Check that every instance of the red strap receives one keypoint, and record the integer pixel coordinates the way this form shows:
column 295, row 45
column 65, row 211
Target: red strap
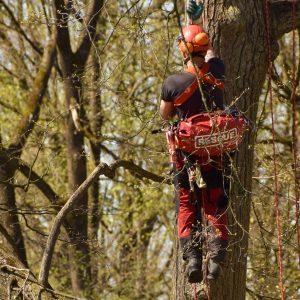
column 202, row 73
column 207, row 77
column 187, row 93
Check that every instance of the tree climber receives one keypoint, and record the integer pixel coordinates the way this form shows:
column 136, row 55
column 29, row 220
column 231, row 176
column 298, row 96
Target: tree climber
column 210, row 190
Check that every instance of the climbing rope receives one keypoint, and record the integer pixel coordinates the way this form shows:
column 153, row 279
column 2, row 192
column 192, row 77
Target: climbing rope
column 205, row 229
column 195, row 291
column 274, row 150
column 295, row 148
column 187, row 21
column 186, row 18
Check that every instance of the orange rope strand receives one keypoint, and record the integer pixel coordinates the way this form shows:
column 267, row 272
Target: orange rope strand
column 295, row 146
column 274, row 152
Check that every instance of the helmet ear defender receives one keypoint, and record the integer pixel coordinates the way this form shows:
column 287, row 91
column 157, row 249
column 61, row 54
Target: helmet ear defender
column 201, row 39
column 184, row 47
column 199, row 43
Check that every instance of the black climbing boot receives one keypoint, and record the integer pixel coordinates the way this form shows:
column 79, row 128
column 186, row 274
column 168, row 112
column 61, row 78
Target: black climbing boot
column 217, row 254
column 194, row 270
column 192, row 254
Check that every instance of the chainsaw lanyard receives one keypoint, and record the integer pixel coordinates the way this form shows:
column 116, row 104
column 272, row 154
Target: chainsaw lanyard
column 204, row 76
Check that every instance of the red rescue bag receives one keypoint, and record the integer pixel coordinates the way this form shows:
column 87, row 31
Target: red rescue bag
column 209, row 134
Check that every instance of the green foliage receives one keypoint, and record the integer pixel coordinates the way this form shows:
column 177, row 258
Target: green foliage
column 131, row 253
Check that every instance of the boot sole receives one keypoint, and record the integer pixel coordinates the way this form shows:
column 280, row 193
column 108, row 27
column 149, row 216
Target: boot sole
column 195, row 276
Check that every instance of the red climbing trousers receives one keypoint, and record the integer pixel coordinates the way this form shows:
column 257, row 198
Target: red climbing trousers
column 204, row 208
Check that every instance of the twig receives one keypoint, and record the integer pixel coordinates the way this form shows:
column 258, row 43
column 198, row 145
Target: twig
column 104, row 169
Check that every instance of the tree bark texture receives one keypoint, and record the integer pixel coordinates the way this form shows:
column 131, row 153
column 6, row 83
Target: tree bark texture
column 16, row 280
column 96, row 120
column 237, row 30
column 96, row 128
column 9, row 210
column 72, row 65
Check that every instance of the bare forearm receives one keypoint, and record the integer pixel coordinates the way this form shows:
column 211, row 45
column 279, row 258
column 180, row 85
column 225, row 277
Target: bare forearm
column 166, row 110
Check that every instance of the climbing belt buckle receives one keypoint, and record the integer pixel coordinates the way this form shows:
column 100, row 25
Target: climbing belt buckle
column 199, row 179
column 192, row 178
column 191, row 174
column 195, row 175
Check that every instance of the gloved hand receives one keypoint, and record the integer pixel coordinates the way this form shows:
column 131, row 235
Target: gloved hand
column 194, row 10
column 231, row 110
column 235, row 112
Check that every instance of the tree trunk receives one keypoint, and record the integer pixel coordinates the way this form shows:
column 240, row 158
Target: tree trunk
column 238, row 33
column 9, row 211
column 94, row 99
column 96, row 127
column 78, row 250
column 73, row 64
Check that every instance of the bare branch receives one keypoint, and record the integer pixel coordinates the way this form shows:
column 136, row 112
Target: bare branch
column 90, row 22
column 63, row 35
column 281, row 14
column 108, row 151
column 39, row 182
column 101, row 169
column 36, row 96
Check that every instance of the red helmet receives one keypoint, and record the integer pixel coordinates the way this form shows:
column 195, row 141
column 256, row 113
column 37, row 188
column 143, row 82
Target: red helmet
column 196, row 40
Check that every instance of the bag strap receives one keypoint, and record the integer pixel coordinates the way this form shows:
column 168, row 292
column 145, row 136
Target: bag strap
column 205, row 76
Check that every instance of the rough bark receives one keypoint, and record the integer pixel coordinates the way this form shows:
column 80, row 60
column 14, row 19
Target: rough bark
column 9, row 211
column 17, row 281
column 96, row 121
column 96, row 127
column 72, row 65
column 238, row 33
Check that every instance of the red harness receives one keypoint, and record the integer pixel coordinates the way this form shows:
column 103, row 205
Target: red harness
column 206, row 134
column 204, row 76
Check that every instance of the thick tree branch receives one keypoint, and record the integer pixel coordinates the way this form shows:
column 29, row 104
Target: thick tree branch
column 90, row 22
column 11, row 242
column 111, row 153
column 36, row 96
column 63, row 35
column 39, row 182
column 281, row 14
column 101, row 169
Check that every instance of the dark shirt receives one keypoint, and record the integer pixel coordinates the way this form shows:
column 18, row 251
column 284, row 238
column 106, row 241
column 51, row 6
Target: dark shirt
column 175, row 84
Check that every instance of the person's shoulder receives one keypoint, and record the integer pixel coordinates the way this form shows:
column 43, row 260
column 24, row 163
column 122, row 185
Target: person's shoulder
column 175, row 84
column 171, row 78
column 177, row 76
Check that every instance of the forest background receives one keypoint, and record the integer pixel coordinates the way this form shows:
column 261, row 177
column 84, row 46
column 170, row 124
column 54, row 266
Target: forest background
column 80, row 86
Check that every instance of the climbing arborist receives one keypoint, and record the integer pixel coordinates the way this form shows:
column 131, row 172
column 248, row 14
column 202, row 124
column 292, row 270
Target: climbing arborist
column 201, row 183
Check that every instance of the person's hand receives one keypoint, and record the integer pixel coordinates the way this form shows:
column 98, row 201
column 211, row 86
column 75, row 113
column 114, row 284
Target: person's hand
column 194, row 10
